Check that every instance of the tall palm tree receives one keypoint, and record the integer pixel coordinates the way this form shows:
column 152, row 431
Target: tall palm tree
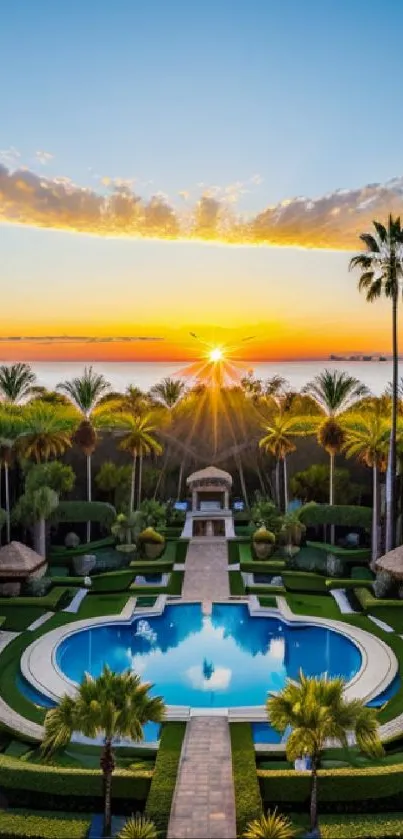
column 335, row 392
column 33, row 509
column 85, row 393
column 10, row 428
column 16, row 381
column 280, row 432
column 168, row 392
column 316, row 711
column 139, row 440
column 381, row 269
column 114, row 705
column 45, row 431
column 367, row 437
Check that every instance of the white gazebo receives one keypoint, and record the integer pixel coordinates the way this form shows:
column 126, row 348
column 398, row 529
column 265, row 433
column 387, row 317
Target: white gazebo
column 211, row 515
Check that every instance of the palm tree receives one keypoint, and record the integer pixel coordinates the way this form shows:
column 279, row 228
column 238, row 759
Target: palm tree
column 45, row 432
column 381, row 269
column 335, row 392
column 85, row 393
column 316, row 711
column 168, row 392
column 33, row 509
column 139, row 441
column 16, row 381
column 138, row 827
column 278, row 440
column 366, row 439
column 115, row 705
column 272, row 826
column 10, row 427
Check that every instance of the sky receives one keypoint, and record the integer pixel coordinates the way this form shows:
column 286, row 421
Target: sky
column 205, row 166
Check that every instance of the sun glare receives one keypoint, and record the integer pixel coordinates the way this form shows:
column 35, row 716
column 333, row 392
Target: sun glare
column 216, row 354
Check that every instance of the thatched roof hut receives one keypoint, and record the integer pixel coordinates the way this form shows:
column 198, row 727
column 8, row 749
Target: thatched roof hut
column 211, row 475
column 392, row 562
column 18, row 561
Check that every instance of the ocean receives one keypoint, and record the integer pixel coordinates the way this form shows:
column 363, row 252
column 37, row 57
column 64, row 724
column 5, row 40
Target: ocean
column 375, row 374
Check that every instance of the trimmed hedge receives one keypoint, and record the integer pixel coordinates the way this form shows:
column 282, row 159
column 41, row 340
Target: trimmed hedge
column 304, row 581
column 268, row 601
column 260, row 588
column 269, row 566
column 346, row 582
column 371, row 603
column 334, row 785
column 236, row 584
column 76, row 512
column 360, row 554
column 49, row 601
column 43, row 825
column 159, row 801
column 181, row 550
column 60, row 552
column 385, row 826
column 248, row 802
column 112, row 581
column 345, row 515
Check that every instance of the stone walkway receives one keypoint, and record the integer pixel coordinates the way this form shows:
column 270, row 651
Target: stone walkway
column 206, row 571
column 204, row 803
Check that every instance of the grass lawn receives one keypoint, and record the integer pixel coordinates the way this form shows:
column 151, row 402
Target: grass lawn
column 393, row 615
column 93, row 606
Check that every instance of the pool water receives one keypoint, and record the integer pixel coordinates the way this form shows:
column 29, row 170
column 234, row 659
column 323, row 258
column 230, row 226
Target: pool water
column 225, row 659
column 386, row 694
column 148, row 580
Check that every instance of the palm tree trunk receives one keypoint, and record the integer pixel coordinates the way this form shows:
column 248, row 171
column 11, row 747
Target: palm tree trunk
column 331, row 494
column 285, row 483
column 89, row 494
column 391, row 473
column 242, row 480
column 7, row 493
column 107, row 766
column 314, row 797
column 0, row 493
column 40, row 537
column 162, row 472
column 261, row 480
column 278, row 484
column 179, row 490
column 139, row 483
column 133, row 481
column 374, row 515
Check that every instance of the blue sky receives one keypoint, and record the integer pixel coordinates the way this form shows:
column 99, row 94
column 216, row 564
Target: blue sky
column 177, row 94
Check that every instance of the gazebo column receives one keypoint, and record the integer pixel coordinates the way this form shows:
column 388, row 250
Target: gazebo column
column 226, row 500
column 209, row 528
column 194, row 500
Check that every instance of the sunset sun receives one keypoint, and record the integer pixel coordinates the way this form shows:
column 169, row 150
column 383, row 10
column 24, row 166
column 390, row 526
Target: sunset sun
column 216, row 354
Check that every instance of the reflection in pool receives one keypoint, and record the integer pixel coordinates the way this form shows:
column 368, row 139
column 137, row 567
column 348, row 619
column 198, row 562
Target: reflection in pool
column 224, row 659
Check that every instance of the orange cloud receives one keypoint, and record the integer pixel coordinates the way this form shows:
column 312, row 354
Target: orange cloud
column 332, row 221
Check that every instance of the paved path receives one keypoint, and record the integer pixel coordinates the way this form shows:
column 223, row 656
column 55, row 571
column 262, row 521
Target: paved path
column 204, row 803
column 206, row 571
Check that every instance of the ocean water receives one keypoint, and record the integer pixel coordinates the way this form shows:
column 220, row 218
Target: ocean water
column 375, row 374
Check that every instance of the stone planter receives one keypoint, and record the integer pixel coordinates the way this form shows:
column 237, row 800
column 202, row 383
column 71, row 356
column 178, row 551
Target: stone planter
column 263, row 549
column 153, row 550
column 83, row 565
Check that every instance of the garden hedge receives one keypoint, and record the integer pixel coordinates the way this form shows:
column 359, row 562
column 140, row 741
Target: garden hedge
column 112, row 581
column 42, row 825
column 372, row 826
column 236, row 584
column 334, row 785
column 159, row 801
column 264, row 566
column 370, row 603
column 248, row 802
column 76, row 512
column 181, row 550
column 174, row 586
column 304, row 581
column 344, row 515
column 347, row 582
column 60, row 552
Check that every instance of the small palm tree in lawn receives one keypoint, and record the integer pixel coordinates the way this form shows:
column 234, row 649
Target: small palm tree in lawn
column 335, row 392
column 139, row 440
column 85, row 393
column 115, row 705
column 33, row 509
column 16, row 382
column 381, row 270
column 138, row 827
column 272, row 826
column 45, row 431
column 366, row 438
column 280, row 432
column 316, row 711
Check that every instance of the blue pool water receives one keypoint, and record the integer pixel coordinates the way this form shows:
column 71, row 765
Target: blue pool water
column 32, row 694
column 148, row 580
column 225, row 659
column 386, row 694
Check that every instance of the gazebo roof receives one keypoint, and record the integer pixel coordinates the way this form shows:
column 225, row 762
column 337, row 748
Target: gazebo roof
column 211, row 473
column 392, row 562
column 18, row 560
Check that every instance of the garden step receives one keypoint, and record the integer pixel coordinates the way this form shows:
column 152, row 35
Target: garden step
column 39, row 621
column 381, row 624
column 76, row 601
column 340, row 596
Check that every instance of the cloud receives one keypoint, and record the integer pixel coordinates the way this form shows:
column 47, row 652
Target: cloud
column 44, row 157
column 86, row 339
column 9, row 156
column 331, row 221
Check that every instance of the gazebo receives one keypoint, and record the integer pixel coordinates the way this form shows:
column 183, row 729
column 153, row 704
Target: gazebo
column 392, row 562
column 210, row 515
column 17, row 563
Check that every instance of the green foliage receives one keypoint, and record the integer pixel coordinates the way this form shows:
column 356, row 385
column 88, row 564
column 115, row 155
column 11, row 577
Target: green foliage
column 115, row 480
column 126, row 529
column 347, row 554
column 84, row 511
column 112, row 581
column 382, row 826
column 264, row 535
column 154, row 514
column 236, row 585
column 266, row 513
column 369, row 603
column 62, row 554
column 159, row 801
column 3, row 518
column 334, row 785
column 338, row 514
column 181, row 551
column 58, row 476
column 150, row 536
column 35, row 505
column 248, row 803
column 138, row 827
column 20, row 824
column 304, row 581
column 272, row 826
column 312, row 484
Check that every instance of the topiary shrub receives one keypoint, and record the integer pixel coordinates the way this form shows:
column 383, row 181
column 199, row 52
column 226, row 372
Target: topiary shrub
column 152, row 542
column 84, row 511
column 334, row 566
column 263, row 542
column 382, row 584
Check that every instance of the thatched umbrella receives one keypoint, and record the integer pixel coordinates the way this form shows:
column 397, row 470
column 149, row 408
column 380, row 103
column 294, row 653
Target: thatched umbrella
column 17, row 563
column 392, row 562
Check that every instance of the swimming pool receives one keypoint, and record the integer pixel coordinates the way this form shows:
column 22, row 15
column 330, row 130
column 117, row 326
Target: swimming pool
column 226, row 659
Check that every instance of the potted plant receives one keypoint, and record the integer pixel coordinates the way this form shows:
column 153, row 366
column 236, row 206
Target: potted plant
column 263, row 542
column 291, row 533
column 153, row 543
